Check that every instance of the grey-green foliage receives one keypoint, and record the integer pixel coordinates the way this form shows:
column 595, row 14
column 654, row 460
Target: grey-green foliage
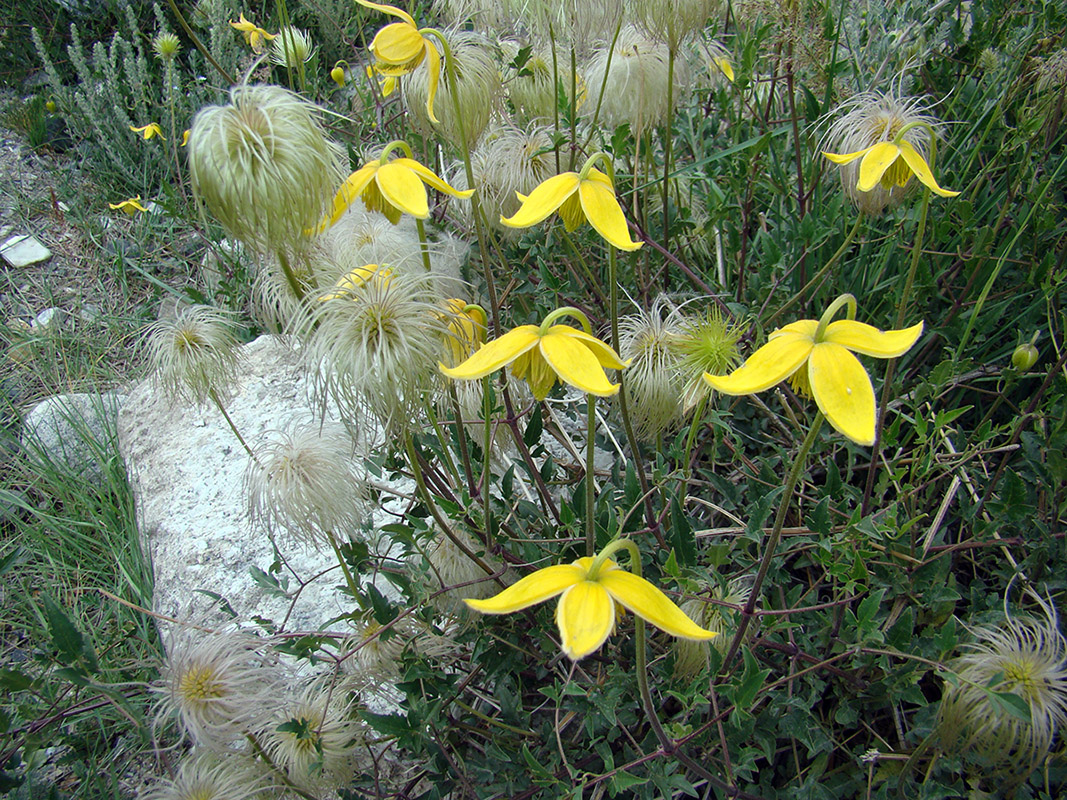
column 119, row 84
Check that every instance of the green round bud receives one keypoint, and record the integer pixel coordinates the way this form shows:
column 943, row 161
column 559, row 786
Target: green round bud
column 1024, row 357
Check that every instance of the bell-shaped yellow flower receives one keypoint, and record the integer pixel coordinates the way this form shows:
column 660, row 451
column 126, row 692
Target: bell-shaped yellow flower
column 891, row 164
column 579, row 197
column 400, row 47
column 149, row 130
column 131, row 206
column 392, row 187
column 540, row 355
column 255, row 36
column 818, row 356
column 353, row 280
column 466, row 324
column 590, row 589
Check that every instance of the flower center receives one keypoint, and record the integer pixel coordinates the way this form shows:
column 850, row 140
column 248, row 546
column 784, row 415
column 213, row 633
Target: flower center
column 200, row 684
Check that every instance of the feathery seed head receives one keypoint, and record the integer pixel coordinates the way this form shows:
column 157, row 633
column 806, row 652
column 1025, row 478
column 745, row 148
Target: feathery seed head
column 867, row 119
column 194, row 354
column 166, row 46
column 1025, row 656
column 654, row 381
column 1052, row 72
column 217, row 683
column 689, row 656
column 368, row 237
column 290, row 47
column 314, row 738
column 307, row 482
column 636, row 87
column 532, row 89
column 263, row 166
column 205, row 776
column 450, row 566
column 275, row 305
column 377, row 347
column 708, row 344
column 674, row 21
column 477, row 89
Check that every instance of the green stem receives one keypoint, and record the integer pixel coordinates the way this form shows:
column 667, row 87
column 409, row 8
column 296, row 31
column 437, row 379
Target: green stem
column 487, row 446
column 257, row 748
column 353, row 587
column 667, row 140
column 771, row 544
column 290, row 276
column 424, row 246
column 218, row 404
column 590, row 451
column 198, row 44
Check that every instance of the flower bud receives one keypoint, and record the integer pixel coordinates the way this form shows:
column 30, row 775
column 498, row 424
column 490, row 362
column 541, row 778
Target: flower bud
column 50, row 106
column 1024, row 357
column 337, row 75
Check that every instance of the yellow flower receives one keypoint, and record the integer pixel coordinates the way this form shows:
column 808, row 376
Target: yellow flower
column 818, row 356
column 337, row 74
column 352, row 280
column 185, row 137
column 253, row 35
column 540, row 355
column 401, row 46
column 588, row 195
column 891, row 164
column 467, row 324
column 149, row 130
column 386, row 83
column 131, row 206
column 591, row 588
column 391, row 187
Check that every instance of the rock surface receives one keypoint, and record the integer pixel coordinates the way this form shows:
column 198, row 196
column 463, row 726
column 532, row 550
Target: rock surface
column 62, row 428
column 21, row 251
column 188, row 468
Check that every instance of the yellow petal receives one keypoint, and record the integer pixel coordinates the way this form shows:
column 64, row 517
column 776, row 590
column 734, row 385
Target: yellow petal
column 351, row 189
column 862, row 338
column 398, row 43
column 431, row 178
column 848, row 158
column 877, row 160
column 403, row 189
column 575, row 363
column 493, row 355
column 771, row 364
column 604, row 213
column 585, row 616
column 604, row 354
column 532, row 368
column 646, row 601
column 922, row 171
column 396, row 12
column 726, row 67
column 543, row 200
column 804, row 327
column 534, row 588
column 433, row 67
column 842, row 391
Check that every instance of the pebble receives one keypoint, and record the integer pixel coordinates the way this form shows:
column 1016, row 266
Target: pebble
column 21, row 251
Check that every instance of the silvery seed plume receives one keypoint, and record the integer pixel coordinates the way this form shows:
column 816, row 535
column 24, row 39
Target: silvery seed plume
column 208, row 776
column 654, row 380
column 194, row 354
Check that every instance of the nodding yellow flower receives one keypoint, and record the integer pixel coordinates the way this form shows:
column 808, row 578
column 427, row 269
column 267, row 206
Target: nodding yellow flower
column 149, row 130
column 131, row 206
column 818, row 356
column 386, row 83
column 541, row 354
column 401, row 46
column 467, row 324
column 391, row 187
column 352, row 280
column 337, row 74
column 185, row 137
column 891, row 164
column 590, row 589
column 583, row 196
column 253, row 35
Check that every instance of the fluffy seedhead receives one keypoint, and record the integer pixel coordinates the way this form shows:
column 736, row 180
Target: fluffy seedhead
column 532, row 89
column 314, row 738
column 307, row 483
column 477, row 89
column 263, row 167
column 508, row 161
column 376, row 347
column 166, row 46
column 206, row 776
column 674, row 21
column 217, row 684
column 1052, row 72
column 690, row 657
column 865, row 120
column 367, row 237
column 1024, row 656
column 654, row 381
column 291, row 47
column 194, row 354
column 708, row 344
column 450, row 566
column 275, row 305
column 636, row 83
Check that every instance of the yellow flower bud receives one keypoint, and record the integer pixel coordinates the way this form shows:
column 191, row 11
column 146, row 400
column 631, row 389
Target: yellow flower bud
column 337, row 75
column 1024, row 357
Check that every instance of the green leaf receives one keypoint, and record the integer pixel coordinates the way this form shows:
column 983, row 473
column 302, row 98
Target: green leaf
column 752, row 680
column 1010, row 703
column 387, row 724
column 532, row 434
column 621, row 781
column 66, row 638
column 682, row 535
column 267, row 582
column 13, row 680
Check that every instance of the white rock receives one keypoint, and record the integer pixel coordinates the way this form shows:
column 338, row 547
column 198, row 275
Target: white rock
column 73, row 428
column 50, row 319
column 21, row 251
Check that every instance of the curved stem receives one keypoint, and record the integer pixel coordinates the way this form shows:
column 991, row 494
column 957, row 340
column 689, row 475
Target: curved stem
column 424, row 246
column 290, row 276
column 353, row 587
column 198, row 44
column 590, row 452
column 799, row 462
column 218, row 404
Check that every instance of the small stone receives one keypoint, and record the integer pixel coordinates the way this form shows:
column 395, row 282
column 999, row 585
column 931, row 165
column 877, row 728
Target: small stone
column 50, row 319
column 21, row 251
